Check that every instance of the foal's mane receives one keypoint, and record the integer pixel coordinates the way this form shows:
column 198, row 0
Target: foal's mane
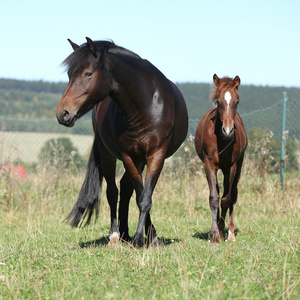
column 226, row 83
column 83, row 54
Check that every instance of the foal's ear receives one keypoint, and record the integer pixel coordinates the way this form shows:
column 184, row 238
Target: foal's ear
column 92, row 47
column 237, row 81
column 74, row 46
column 216, row 80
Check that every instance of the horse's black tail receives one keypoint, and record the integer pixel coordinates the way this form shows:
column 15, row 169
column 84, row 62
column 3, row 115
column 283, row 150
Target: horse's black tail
column 88, row 200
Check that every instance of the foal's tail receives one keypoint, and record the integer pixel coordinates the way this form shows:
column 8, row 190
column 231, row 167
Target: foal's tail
column 88, row 200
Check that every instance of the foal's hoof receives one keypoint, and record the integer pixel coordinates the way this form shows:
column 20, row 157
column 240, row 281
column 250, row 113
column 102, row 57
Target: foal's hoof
column 114, row 239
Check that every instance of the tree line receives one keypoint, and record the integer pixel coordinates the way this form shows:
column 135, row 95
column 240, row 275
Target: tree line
column 38, row 99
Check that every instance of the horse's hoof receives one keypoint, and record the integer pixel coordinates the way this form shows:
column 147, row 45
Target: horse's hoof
column 138, row 242
column 215, row 243
column 215, row 237
column 231, row 237
column 221, row 236
column 156, row 242
column 125, row 238
column 114, row 239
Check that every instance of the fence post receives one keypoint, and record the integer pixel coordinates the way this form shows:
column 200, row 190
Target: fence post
column 284, row 99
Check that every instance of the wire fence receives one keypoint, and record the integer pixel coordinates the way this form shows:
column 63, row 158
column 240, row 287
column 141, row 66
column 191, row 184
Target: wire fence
column 25, row 147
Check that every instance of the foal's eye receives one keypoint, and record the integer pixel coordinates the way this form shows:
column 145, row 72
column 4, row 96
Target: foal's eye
column 88, row 74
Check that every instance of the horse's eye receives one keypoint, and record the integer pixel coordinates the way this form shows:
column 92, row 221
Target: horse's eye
column 88, row 74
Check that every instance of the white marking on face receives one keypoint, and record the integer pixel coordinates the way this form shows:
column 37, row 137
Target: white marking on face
column 227, row 98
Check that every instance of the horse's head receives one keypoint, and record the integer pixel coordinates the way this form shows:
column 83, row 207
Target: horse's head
column 88, row 82
column 226, row 98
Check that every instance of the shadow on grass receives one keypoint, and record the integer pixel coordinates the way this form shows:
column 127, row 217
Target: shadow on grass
column 206, row 235
column 104, row 241
column 96, row 243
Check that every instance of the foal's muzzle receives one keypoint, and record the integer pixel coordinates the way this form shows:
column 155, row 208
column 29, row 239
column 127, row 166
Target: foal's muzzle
column 227, row 130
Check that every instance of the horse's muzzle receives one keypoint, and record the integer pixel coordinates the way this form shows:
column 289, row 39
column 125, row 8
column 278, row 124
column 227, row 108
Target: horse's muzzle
column 65, row 118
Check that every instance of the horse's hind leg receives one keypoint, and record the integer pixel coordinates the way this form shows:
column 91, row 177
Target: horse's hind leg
column 126, row 191
column 108, row 166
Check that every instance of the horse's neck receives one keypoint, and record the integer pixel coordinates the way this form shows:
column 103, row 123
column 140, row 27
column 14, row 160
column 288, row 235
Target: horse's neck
column 128, row 88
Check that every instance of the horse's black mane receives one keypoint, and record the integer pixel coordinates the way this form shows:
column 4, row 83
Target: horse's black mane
column 83, row 54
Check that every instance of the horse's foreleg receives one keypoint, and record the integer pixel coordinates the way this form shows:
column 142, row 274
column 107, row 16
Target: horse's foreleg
column 144, row 201
column 151, row 232
column 234, row 195
column 225, row 201
column 135, row 172
column 126, row 191
column 228, row 200
column 214, row 198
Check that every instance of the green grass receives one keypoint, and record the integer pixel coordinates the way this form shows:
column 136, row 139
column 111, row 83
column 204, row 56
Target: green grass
column 44, row 258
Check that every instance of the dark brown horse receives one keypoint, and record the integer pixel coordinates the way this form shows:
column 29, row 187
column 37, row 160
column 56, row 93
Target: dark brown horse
column 139, row 117
column 220, row 142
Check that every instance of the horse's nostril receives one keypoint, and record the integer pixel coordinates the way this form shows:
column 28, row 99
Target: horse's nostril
column 66, row 115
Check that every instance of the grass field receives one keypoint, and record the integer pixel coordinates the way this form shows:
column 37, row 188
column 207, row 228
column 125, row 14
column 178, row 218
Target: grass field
column 26, row 146
column 43, row 258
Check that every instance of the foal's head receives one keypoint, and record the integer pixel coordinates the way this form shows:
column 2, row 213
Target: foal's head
column 226, row 98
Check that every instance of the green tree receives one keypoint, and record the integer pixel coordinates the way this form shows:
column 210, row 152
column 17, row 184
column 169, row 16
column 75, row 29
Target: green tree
column 60, row 150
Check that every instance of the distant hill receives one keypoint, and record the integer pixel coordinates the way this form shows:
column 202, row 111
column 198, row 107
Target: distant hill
column 38, row 99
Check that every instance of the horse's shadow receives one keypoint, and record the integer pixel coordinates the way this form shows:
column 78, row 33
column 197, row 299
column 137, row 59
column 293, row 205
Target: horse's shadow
column 104, row 241
column 206, row 235
column 96, row 243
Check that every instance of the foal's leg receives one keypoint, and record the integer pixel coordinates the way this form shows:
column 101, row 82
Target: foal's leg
column 234, row 195
column 214, row 198
column 126, row 191
column 226, row 200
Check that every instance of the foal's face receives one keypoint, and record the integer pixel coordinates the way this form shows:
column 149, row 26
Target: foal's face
column 227, row 100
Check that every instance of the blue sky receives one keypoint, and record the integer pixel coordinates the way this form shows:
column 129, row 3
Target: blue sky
column 188, row 40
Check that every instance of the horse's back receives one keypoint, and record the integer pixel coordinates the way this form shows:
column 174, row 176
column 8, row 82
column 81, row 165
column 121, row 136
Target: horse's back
column 180, row 120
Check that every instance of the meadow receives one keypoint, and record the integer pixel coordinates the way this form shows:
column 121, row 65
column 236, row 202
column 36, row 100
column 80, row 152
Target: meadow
column 41, row 257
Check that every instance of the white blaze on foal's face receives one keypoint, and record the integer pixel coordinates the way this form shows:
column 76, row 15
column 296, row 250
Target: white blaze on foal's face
column 227, row 98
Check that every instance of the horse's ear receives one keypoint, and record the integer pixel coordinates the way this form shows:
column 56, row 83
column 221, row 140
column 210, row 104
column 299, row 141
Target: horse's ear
column 74, row 46
column 216, row 80
column 92, row 47
column 237, row 81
